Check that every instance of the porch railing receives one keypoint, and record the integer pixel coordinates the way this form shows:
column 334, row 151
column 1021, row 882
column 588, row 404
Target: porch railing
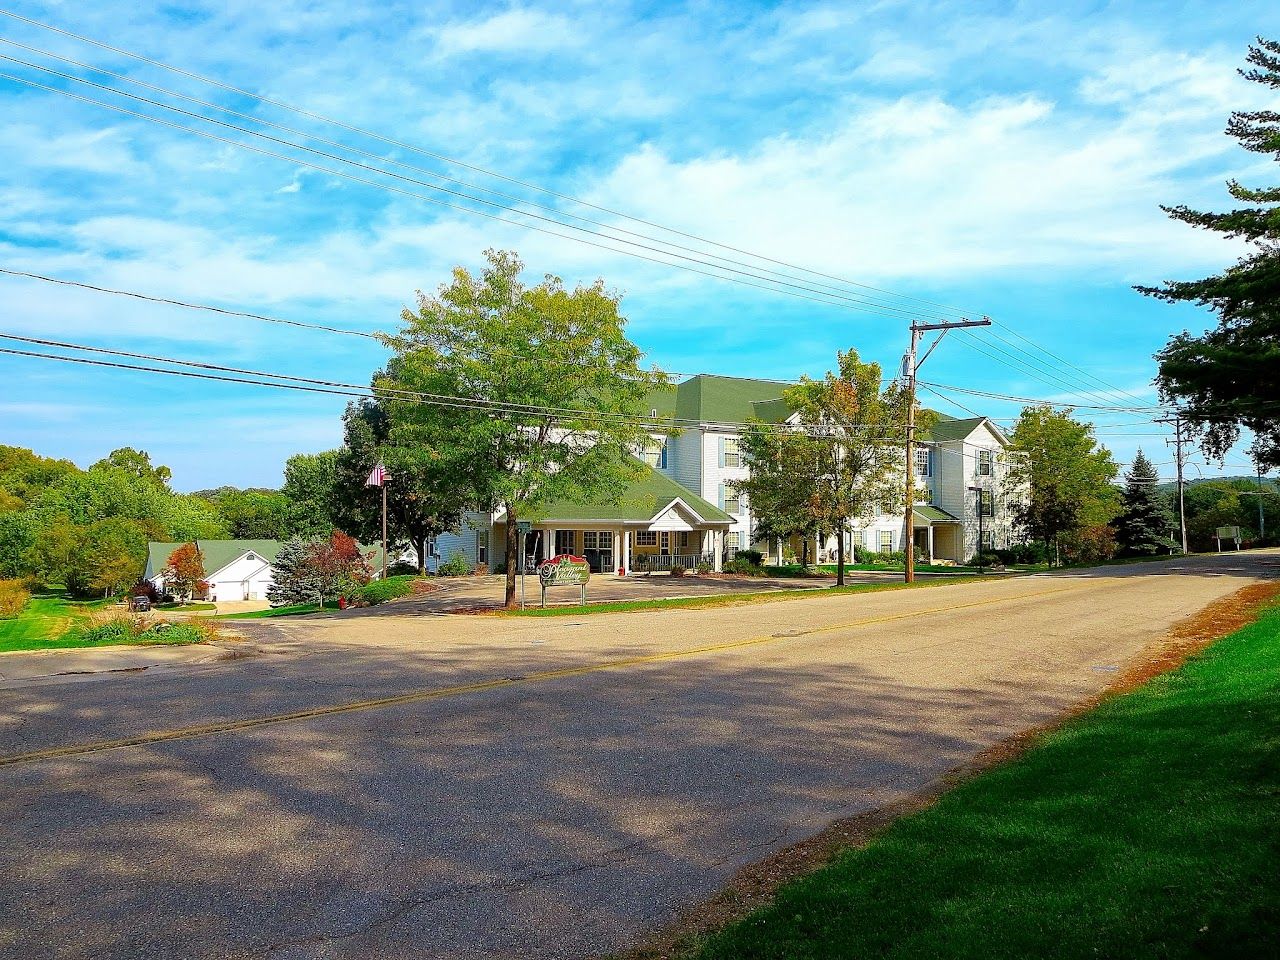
column 663, row 563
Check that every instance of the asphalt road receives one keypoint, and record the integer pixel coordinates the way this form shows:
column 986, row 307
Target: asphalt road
column 533, row 788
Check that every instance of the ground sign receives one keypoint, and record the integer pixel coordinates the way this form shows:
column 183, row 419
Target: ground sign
column 564, row 570
column 1227, row 533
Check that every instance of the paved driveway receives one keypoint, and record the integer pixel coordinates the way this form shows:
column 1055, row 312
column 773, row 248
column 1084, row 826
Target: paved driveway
column 482, row 787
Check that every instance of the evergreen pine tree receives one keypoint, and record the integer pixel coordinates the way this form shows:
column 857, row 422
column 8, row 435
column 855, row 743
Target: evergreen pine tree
column 1145, row 520
column 292, row 580
column 1229, row 377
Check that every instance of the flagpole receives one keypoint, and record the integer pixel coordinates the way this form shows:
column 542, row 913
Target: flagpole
column 384, row 528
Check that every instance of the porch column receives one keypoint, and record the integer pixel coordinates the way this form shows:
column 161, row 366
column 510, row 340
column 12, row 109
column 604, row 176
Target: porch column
column 930, row 529
column 626, row 552
column 718, row 539
column 549, row 544
column 618, row 537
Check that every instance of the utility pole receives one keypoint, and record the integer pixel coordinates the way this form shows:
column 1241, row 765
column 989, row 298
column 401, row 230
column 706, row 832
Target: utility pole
column 1178, row 459
column 910, row 367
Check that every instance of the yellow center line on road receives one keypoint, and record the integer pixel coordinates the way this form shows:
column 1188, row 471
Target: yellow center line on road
column 439, row 693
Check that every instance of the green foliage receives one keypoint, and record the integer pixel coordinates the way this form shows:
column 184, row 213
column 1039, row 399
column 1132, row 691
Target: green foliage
column 134, row 629
column 1229, row 377
column 704, row 568
column 136, row 463
column 801, row 484
column 252, row 514
column 490, row 336
column 1224, row 503
column 14, row 595
column 753, row 557
column 106, row 557
column 678, row 570
column 1059, row 480
column 1145, row 522
column 456, row 566
column 310, row 487
column 424, row 497
column 380, row 591
column 743, row 566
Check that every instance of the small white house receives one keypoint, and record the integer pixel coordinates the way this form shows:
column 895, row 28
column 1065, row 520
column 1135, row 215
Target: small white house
column 234, row 569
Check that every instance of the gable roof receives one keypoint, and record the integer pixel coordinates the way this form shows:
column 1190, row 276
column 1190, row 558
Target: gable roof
column 217, row 553
column 640, row 500
column 713, row 399
column 221, row 553
column 952, row 429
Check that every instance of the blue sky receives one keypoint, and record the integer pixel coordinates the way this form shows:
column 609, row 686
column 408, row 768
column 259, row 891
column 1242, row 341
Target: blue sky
column 1005, row 157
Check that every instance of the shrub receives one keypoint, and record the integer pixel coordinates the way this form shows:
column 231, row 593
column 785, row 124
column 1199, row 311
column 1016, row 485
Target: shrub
column 119, row 628
column 753, row 557
column 677, row 570
column 704, row 568
column 145, row 588
column 13, row 598
column 380, row 591
column 402, row 568
column 987, row 558
column 456, row 566
column 738, row 565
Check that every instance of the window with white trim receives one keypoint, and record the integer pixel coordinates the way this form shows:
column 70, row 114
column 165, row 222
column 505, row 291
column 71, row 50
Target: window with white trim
column 886, row 541
column 732, row 540
column 684, row 539
column 482, row 546
column 646, row 538
column 922, row 461
column 732, row 500
column 987, row 503
column 986, row 462
column 732, row 453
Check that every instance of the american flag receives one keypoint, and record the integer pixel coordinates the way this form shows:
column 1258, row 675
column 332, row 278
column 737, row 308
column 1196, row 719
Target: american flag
column 377, row 476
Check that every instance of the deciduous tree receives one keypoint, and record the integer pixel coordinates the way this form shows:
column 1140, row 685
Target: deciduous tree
column 554, row 392
column 1059, row 481
column 184, row 571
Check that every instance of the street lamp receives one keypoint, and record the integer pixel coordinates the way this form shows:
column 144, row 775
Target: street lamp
column 979, row 491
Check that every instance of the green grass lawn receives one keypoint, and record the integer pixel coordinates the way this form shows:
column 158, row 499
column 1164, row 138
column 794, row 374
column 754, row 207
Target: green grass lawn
column 920, row 568
column 721, row 599
column 290, row 611
column 1147, row 828
column 49, row 622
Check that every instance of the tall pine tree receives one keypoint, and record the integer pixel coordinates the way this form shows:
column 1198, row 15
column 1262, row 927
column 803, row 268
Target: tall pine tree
column 1229, row 377
column 1142, row 529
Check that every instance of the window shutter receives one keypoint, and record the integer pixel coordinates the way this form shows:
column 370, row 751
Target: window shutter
column 722, row 485
column 720, row 442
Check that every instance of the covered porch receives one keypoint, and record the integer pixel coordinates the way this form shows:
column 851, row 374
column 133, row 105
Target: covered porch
column 937, row 534
column 653, row 526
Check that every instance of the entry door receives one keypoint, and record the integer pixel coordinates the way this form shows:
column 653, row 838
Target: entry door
column 666, row 544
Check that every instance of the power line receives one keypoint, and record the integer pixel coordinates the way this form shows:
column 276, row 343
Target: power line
column 451, row 160
column 822, row 298
column 187, row 305
column 382, row 159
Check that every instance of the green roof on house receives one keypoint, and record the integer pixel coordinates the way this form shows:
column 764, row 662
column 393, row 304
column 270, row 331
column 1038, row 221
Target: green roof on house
column 217, row 553
column 640, row 500
column 933, row 515
column 708, row 398
column 952, row 429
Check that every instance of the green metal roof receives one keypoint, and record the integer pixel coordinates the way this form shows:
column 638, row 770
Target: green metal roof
column 708, row 398
column 932, row 515
column 640, row 500
column 218, row 553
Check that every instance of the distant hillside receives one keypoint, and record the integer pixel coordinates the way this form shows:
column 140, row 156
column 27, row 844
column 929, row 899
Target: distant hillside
column 1238, row 483
column 209, row 494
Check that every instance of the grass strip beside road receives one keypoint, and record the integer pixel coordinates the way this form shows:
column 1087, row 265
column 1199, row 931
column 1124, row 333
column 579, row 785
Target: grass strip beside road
column 291, row 611
column 1143, row 829
column 724, row 599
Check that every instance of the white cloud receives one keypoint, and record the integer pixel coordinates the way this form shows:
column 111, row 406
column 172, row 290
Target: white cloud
column 517, row 30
